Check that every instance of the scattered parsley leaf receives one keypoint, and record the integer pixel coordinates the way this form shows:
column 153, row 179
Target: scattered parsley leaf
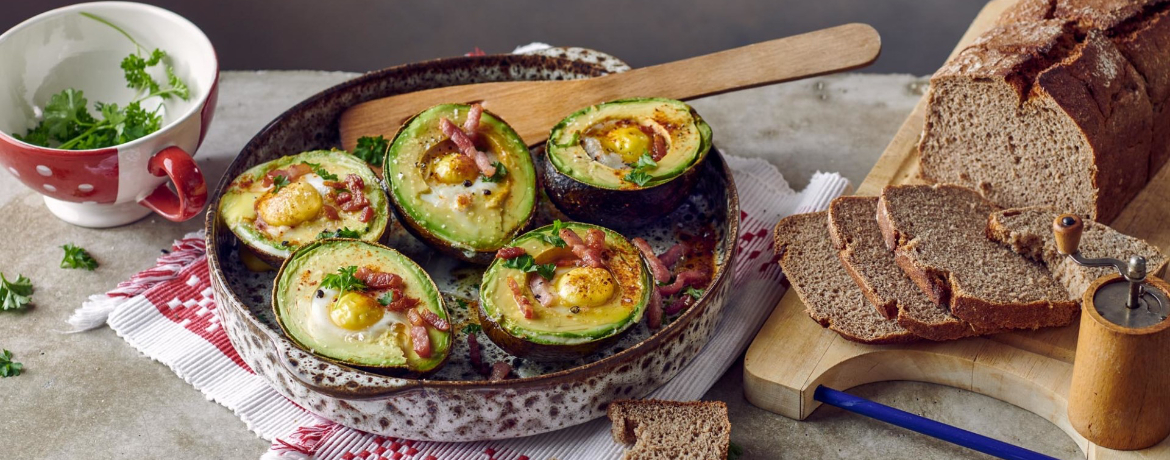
column 372, row 150
column 278, row 183
column 8, row 367
column 694, row 293
column 501, row 172
column 645, row 162
column 387, row 298
column 638, row 174
column 553, row 236
column 77, row 257
column 638, row 177
column 546, row 271
column 344, row 280
column 321, row 171
column 15, row 295
column 734, row 451
column 339, row 233
column 462, row 303
column 471, row 329
column 527, row 264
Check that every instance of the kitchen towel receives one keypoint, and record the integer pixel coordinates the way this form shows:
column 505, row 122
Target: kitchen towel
column 167, row 313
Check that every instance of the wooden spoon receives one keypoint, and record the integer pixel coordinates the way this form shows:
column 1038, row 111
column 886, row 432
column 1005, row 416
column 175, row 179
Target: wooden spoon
column 533, row 107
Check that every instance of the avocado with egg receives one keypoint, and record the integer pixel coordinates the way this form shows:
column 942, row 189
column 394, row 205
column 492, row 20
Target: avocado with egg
column 588, row 307
column 444, row 196
column 278, row 206
column 363, row 305
column 625, row 163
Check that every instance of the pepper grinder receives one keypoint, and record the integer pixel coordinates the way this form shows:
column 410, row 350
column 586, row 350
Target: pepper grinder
column 1120, row 392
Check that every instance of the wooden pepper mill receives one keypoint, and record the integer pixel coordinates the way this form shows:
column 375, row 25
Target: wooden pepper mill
column 1120, row 393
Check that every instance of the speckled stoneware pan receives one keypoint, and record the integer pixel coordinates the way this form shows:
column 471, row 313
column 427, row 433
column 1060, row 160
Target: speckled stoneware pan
column 456, row 403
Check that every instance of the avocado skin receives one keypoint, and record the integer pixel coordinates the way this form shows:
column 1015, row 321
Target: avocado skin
column 539, row 352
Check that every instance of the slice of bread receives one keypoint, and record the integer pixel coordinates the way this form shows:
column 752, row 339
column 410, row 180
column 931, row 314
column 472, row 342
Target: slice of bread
column 669, row 430
column 1028, row 231
column 938, row 234
column 854, row 228
column 831, row 297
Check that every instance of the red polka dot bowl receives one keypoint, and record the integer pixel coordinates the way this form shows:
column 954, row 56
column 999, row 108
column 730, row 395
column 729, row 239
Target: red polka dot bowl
column 68, row 48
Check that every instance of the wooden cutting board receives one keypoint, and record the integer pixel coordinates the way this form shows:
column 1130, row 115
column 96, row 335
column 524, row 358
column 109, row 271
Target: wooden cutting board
column 792, row 354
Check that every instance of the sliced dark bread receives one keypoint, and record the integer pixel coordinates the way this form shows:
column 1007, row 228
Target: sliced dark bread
column 830, row 296
column 938, row 234
column 1028, row 231
column 858, row 239
column 668, row 430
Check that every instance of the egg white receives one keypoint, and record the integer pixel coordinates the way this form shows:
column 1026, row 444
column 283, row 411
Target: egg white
column 444, row 195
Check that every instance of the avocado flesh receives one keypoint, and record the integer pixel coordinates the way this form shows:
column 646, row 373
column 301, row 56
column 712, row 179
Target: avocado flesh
column 558, row 325
column 305, row 319
column 428, row 205
column 688, row 139
column 237, row 207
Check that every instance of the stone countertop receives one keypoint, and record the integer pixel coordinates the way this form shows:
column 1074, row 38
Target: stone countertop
column 91, row 395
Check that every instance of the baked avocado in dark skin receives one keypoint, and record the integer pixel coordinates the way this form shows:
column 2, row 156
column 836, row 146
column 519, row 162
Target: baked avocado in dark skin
column 563, row 291
column 276, row 207
column 363, row 305
column 625, row 163
column 465, row 188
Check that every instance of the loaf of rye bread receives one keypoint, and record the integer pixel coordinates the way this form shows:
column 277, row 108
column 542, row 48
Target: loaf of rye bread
column 1064, row 103
column 831, row 297
column 1028, row 231
column 671, row 430
column 938, row 235
column 858, row 239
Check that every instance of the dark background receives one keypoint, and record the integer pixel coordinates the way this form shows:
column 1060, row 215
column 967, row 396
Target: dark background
column 362, row 35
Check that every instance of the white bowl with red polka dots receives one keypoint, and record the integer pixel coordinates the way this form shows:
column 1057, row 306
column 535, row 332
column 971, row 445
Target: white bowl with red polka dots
column 112, row 186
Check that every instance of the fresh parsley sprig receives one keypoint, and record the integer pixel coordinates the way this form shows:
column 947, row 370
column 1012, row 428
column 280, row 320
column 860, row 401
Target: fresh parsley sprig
column 279, row 182
column 638, row 175
column 471, row 328
column 527, row 264
column 344, row 280
column 694, row 293
column 501, row 173
column 8, row 367
column 553, row 236
column 77, row 257
column 386, row 299
column 372, row 150
column 339, row 233
column 325, row 174
column 15, row 295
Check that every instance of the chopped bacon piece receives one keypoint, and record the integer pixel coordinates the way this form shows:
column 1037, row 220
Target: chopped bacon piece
column 420, row 341
column 292, row 172
column 401, row 302
column 679, row 305
column 355, row 199
column 595, row 240
column 521, row 299
column 657, row 145
column 261, row 224
column 657, row 268
column 682, row 280
column 541, row 291
column 415, row 318
column 568, row 262
column 654, row 310
column 378, row 280
column 471, row 125
column 510, row 252
column 467, row 147
column 590, row 256
column 366, row 215
column 672, row 255
column 331, row 213
column 434, row 320
column 476, row 357
column 500, row 371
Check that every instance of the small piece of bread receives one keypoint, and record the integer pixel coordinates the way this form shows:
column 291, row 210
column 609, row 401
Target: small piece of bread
column 938, row 234
column 856, row 235
column 831, row 297
column 669, row 430
column 1028, row 231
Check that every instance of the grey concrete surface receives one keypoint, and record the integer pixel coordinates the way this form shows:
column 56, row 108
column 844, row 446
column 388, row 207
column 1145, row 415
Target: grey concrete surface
column 92, row 396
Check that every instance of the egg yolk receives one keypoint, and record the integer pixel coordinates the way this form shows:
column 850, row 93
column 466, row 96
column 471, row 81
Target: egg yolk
column 585, row 287
column 455, row 168
column 629, row 142
column 294, row 203
column 355, row 311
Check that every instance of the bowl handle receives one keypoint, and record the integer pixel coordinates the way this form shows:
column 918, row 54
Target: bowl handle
column 190, row 189
column 339, row 393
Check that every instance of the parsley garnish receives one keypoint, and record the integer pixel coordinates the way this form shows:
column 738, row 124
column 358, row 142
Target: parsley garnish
column 527, row 264
column 344, row 280
column 76, row 257
column 339, row 233
column 638, row 174
column 278, row 183
column 372, row 150
column 694, row 293
column 321, row 171
column 8, row 367
column 553, row 236
column 387, row 298
column 471, row 329
column 15, row 295
column 461, row 303
column 501, row 172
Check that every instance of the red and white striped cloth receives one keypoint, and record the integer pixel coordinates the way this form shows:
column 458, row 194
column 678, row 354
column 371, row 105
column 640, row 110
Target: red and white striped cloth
column 166, row 312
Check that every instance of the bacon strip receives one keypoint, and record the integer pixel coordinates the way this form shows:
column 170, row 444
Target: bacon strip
column 415, row 318
column 521, row 299
column 354, row 198
column 541, row 291
column 366, row 215
column 591, row 257
column 654, row 310
column 291, row 172
column 679, row 305
column 568, row 262
column 595, row 240
column 657, row 268
column 420, row 341
column 378, row 280
column 476, row 357
column 500, row 371
column 401, row 302
column 672, row 255
column 331, row 213
column 471, row 125
column 467, row 147
column 510, row 252
column 434, row 320
column 658, row 146
column 682, row 280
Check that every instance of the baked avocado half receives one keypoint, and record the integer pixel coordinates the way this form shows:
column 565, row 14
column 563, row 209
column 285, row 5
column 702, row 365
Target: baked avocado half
column 627, row 162
column 276, row 207
column 364, row 305
column 540, row 300
column 465, row 206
